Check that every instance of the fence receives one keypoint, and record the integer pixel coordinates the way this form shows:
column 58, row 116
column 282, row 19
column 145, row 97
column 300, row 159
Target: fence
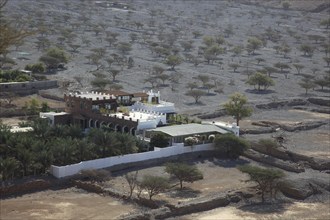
column 177, row 149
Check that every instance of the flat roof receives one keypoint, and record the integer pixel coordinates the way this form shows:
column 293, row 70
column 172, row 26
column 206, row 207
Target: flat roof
column 140, row 94
column 95, row 96
column 117, row 93
column 141, row 116
column 55, row 113
column 189, row 129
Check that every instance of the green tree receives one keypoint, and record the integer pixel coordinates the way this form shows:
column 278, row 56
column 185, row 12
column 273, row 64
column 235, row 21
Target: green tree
column 212, row 52
column 114, row 73
column 106, row 141
column 307, row 84
column 192, row 85
column 234, row 66
column 196, row 94
column 265, row 178
column 323, row 82
column 126, row 143
column 253, row 45
column 187, row 45
column 157, row 70
column 208, row 41
column 159, row 140
column 173, row 61
column 269, row 70
column 32, row 106
column 44, row 107
column 36, row 68
column 203, row 78
column 237, row 50
column 325, row 22
column 307, row 50
column 163, row 77
column 58, row 54
column 231, row 145
column 154, row 185
column 260, row 80
column 12, row 32
column 8, row 167
column 298, row 67
column 282, row 66
column 53, row 57
column 184, row 172
column 100, row 83
column 124, row 47
column 236, row 106
column 286, row 5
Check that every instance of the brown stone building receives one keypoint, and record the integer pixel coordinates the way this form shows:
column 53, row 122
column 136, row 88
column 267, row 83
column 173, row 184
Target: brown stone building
column 93, row 110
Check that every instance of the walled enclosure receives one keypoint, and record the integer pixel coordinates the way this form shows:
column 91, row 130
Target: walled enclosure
column 128, row 159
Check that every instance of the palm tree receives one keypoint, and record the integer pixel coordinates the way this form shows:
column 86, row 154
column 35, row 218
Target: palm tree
column 127, row 143
column 8, row 166
column 106, row 142
column 43, row 156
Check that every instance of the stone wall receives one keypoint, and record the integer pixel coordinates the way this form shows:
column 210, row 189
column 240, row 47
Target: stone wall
column 24, row 88
column 34, row 185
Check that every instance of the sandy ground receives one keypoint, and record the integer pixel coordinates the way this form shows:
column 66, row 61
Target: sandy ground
column 219, row 176
column 65, row 204
column 296, row 210
column 20, row 101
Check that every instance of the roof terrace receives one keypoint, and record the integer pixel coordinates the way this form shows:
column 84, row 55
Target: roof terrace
column 94, row 95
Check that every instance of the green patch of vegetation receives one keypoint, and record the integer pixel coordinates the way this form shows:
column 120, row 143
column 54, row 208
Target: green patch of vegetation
column 32, row 153
column 13, row 76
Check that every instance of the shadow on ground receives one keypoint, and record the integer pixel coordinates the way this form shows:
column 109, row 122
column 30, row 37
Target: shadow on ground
column 186, row 192
column 265, row 208
column 226, row 163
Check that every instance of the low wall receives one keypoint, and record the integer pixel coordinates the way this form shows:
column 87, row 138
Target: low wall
column 33, row 185
column 27, row 87
column 69, row 170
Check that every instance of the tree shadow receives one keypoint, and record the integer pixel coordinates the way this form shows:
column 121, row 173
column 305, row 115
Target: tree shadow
column 211, row 94
column 260, row 92
column 227, row 163
column 306, row 95
column 197, row 104
column 265, row 208
column 323, row 90
column 186, row 192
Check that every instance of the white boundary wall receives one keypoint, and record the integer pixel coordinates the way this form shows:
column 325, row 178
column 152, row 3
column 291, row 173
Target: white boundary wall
column 178, row 148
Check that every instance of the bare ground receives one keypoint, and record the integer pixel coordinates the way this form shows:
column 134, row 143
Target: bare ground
column 247, row 21
column 68, row 203
column 296, row 210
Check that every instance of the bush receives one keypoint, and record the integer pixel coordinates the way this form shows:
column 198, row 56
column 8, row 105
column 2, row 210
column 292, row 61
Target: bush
column 13, row 76
column 95, row 175
column 159, row 140
column 190, row 141
column 36, row 68
column 231, row 145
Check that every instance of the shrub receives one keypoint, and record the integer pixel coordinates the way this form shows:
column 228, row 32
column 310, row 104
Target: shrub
column 36, row 68
column 231, row 145
column 159, row 140
column 190, row 141
column 95, row 175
